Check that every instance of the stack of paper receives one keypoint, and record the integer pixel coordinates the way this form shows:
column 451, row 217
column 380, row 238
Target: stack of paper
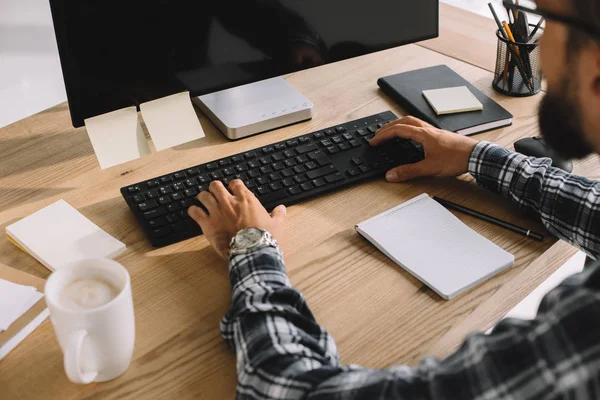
column 22, row 308
column 59, row 234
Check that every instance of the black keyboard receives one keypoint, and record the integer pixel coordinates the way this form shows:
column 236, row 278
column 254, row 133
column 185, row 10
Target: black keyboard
column 281, row 173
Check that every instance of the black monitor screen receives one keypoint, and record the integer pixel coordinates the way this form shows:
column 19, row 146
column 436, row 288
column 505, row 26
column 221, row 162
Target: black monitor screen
column 119, row 53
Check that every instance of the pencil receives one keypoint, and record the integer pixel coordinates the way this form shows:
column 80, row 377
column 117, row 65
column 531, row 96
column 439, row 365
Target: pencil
column 518, row 60
column 507, row 225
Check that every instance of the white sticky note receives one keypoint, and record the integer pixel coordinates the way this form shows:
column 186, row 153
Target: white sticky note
column 117, row 137
column 452, row 100
column 59, row 234
column 171, row 120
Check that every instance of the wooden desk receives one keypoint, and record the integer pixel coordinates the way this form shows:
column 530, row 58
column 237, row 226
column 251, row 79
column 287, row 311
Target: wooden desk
column 378, row 314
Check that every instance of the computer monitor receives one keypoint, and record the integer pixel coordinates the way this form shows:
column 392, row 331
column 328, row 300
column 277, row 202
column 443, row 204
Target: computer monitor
column 120, row 53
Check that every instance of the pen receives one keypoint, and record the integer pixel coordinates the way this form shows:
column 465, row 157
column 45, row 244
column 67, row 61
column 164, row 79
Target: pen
column 519, row 60
column 485, row 217
column 537, row 27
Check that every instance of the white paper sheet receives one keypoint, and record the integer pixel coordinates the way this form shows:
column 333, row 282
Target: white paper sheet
column 117, row 137
column 15, row 300
column 171, row 120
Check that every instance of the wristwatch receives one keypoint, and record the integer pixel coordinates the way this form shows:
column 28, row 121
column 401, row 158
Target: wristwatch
column 249, row 239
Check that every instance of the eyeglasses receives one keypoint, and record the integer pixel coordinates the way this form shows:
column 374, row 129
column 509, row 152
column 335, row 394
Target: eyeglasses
column 576, row 23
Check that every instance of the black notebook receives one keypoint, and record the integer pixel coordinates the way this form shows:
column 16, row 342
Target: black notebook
column 407, row 90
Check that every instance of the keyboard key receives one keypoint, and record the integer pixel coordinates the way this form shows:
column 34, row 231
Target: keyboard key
column 277, row 157
column 278, row 166
column 318, row 135
column 268, row 149
column 304, row 140
column 280, row 146
column 300, row 178
column 329, row 132
column 249, row 155
column 340, row 129
column 147, row 205
column 186, row 203
column 203, row 179
column 241, row 176
column 302, row 159
column 241, row 168
column 275, row 176
column 365, row 168
column 334, row 177
column 357, row 161
column 158, row 222
column 362, row 132
column 263, row 180
column 178, row 186
column 173, row 207
column 372, row 129
column 166, row 179
column 336, row 139
column 292, row 143
column 162, row 232
column 354, row 143
column 193, row 171
column 332, row 150
column 177, row 196
column 250, row 183
column 287, row 173
column 152, row 194
column 139, row 198
column 164, row 200
column 348, row 136
column 321, row 172
column 352, row 172
column 191, row 182
column 165, row 190
column 299, row 169
column 237, row 159
column 225, row 162
column 211, row 166
column 326, row 143
column 266, row 160
column 274, row 198
column 266, row 169
column 294, row 190
column 254, row 173
column 191, row 192
column 306, row 148
column 344, row 146
column 319, row 157
column 287, row 182
column 253, row 164
column 228, row 171
column 306, row 186
column 180, row 175
column 311, row 165
column 289, row 153
column 275, row 186
column 262, row 190
column 157, row 212
column 133, row 189
column 290, row 162
column 152, row 183
column 202, row 188
column 319, row 182
column 215, row 176
column 172, row 218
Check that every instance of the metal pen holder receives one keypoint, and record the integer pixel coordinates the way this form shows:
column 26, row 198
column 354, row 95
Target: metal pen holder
column 518, row 71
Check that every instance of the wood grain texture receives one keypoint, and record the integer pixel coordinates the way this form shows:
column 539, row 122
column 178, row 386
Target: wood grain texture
column 378, row 314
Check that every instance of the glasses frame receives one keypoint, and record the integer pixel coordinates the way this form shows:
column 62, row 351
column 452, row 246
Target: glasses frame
column 574, row 22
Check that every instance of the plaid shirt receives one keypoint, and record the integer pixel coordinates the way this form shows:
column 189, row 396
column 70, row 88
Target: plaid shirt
column 283, row 353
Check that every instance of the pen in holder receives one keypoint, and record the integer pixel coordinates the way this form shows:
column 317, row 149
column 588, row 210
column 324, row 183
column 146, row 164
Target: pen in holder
column 518, row 71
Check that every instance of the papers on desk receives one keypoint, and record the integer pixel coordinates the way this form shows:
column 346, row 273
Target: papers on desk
column 21, row 307
column 433, row 245
column 59, row 234
column 117, row 137
column 171, row 120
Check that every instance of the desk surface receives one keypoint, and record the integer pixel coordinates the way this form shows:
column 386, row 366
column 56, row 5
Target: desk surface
column 378, row 314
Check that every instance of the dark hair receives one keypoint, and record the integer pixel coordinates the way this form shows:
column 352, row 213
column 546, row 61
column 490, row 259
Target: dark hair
column 588, row 11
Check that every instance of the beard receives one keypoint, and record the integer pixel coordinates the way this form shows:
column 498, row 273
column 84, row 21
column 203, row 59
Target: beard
column 560, row 124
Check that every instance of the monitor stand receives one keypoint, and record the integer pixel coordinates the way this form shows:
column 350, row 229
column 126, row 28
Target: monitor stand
column 254, row 108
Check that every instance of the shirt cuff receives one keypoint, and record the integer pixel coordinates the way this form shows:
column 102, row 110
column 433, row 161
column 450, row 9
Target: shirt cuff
column 262, row 264
column 494, row 166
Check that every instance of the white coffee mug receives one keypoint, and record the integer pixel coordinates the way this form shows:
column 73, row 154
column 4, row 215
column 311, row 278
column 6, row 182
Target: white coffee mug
column 98, row 342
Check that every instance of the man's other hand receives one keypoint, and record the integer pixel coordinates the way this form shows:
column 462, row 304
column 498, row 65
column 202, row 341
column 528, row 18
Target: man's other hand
column 228, row 213
column 446, row 153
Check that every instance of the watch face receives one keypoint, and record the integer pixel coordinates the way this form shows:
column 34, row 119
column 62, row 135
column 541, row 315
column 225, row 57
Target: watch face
column 248, row 238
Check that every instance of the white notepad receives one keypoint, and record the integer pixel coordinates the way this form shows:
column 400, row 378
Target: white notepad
column 171, row 120
column 59, row 234
column 432, row 244
column 117, row 137
column 452, row 100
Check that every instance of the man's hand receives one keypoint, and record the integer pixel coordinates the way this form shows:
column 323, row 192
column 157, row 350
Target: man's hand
column 229, row 213
column 446, row 153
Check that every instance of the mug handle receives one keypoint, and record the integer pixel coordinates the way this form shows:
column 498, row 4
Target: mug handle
column 73, row 358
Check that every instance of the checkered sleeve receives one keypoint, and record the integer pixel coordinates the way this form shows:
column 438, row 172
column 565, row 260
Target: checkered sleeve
column 568, row 205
